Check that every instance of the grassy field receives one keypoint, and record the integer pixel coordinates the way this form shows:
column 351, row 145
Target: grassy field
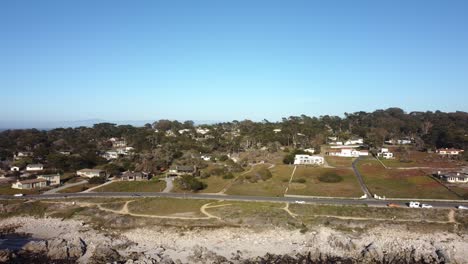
column 421, row 159
column 339, row 161
column 168, row 207
column 407, row 183
column 214, row 184
column 313, row 186
column 142, row 186
column 275, row 186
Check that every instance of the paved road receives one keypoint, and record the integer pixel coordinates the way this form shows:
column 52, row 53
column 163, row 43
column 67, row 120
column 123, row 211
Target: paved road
column 361, row 180
column 335, row 201
column 64, row 187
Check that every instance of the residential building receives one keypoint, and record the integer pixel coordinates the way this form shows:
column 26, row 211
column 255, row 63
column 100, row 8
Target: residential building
column 277, row 130
column 449, row 151
column 310, row 150
column 308, row 160
column 182, row 170
column 52, row 179
column 29, row 184
column 385, row 153
column 356, row 141
column 205, row 157
column 34, row 167
column 22, row 154
column 348, row 152
column 118, row 142
column 65, row 152
column 454, row 177
column 110, row 155
column 90, row 173
column 202, row 131
column 134, row 176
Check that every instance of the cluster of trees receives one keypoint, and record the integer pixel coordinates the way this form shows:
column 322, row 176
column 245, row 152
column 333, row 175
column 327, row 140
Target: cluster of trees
column 157, row 149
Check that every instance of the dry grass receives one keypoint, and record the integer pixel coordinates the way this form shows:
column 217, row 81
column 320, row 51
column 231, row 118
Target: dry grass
column 275, row 186
column 348, row 187
column 168, row 207
column 408, row 183
column 339, row 161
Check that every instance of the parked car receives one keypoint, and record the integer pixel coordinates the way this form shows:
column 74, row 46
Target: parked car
column 393, row 205
column 19, row 195
column 426, row 206
column 462, row 207
column 300, row 202
column 414, row 204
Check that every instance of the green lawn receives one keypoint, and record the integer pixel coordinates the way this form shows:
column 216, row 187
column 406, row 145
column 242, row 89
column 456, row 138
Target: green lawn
column 168, row 207
column 347, row 187
column 403, row 183
column 136, row 186
column 275, row 186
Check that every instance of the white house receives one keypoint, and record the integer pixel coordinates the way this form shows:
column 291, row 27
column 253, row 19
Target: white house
column 183, row 131
column 348, row 152
column 308, row 160
column 90, row 173
column 385, row 153
column 202, row 131
column 53, row 179
column 277, row 130
column 454, row 177
column 403, row 141
column 22, row 154
column 30, row 184
column 206, row 157
column 110, row 155
column 449, row 151
column 15, row 168
column 357, row 141
column 310, row 150
column 34, row 167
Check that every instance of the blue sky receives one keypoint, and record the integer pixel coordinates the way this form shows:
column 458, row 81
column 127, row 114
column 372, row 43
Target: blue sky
column 225, row 60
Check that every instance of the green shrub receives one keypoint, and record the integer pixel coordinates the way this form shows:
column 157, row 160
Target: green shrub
column 330, row 177
column 228, row 176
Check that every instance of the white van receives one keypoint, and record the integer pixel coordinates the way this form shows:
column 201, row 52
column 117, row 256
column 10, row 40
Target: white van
column 414, row 204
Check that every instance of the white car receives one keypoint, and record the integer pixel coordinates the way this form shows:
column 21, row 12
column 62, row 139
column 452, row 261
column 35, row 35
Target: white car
column 414, row 204
column 462, row 207
column 426, row 206
column 300, row 202
column 19, row 195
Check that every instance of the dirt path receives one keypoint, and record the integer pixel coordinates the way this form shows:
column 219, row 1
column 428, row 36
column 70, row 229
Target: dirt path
column 169, row 185
column 286, row 208
column 290, row 180
column 451, row 217
column 99, row 186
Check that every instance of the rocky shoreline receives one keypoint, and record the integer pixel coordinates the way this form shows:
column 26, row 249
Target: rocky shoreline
column 71, row 241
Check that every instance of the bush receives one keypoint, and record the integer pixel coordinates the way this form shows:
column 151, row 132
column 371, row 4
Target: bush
column 228, row 176
column 330, row 178
column 191, row 183
column 299, row 180
column 264, row 174
column 97, row 180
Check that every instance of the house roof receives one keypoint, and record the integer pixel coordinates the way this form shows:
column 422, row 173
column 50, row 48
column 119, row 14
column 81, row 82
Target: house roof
column 35, row 165
column 49, row 176
column 91, row 170
column 183, row 168
column 450, row 149
column 32, row 181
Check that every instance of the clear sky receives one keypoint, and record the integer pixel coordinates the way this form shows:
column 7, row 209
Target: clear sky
column 224, row 60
